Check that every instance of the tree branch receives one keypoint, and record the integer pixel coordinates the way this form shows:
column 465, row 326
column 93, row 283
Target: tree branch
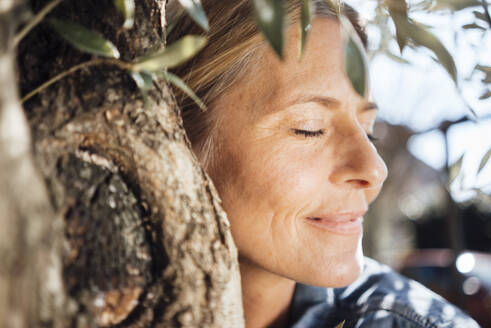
column 36, row 20
column 93, row 62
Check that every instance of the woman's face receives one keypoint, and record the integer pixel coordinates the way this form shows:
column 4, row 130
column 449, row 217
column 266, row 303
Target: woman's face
column 296, row 170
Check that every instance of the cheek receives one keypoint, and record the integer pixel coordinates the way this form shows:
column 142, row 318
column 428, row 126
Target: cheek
column 266, row 189
column 285, row 174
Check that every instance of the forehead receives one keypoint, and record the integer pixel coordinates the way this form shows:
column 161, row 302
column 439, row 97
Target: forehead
column 319, row 72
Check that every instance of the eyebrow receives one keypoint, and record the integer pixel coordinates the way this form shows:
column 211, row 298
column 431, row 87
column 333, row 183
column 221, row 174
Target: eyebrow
column 328, row 102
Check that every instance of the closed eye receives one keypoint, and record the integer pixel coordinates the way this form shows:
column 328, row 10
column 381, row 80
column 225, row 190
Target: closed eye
column 308, row 133
column 371, row 137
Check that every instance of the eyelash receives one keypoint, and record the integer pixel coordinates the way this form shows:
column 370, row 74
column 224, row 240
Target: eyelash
column 317, row 133
column 309, row 133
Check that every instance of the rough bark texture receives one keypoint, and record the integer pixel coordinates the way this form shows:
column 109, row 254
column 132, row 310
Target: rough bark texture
column 31, row 290
column 146, row 243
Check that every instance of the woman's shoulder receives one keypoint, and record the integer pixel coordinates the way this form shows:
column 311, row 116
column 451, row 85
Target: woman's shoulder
column 380, row 297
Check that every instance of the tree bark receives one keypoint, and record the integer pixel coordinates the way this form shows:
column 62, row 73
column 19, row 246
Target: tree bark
column 145, row 241
column 31, row 291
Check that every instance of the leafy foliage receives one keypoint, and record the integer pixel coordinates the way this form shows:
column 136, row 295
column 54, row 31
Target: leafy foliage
column 196, row 12
column 341, row 324
column 84, row 39
column 305, row 24
column 454, row 169
column 176, row 80
column 270, row 17
column 407, row 29
column 127, row 8
column 143, row 80
column 172, row 55
column 398, row 12
column 453, row 5
column 484, row 161
column 355, row 62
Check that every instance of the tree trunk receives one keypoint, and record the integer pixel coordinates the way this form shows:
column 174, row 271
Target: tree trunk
column 31, row 291
column 128, row 230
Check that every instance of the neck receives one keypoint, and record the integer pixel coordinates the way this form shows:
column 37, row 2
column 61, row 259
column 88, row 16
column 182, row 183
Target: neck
column 266, row 296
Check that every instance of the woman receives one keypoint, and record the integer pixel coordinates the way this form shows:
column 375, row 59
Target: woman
column 287, row 144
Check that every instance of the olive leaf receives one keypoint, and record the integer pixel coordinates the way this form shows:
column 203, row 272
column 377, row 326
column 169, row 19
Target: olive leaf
column 306, row 24
column 398, row 13
column 454, row 170
column 396, row 58
column 341, row 324
column 407, row 29
column 455, row 5
column 480, row 15
column 270, row 18
column 178, row 82
column 486, row 70
column 196, row 12
column 143, row 80
column 127, row 8
column 484, row 160
column 425, row 38
column 473, row 26
column 84, row 39
column 485, row 95
column 172, row 55
column 356, row 66
column 335, row 6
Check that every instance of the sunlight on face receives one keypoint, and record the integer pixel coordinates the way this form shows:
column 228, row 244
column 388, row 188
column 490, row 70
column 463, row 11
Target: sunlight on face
column 296, row 169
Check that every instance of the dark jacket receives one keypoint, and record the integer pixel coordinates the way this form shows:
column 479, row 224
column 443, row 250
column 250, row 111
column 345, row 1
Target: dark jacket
column 379, row 298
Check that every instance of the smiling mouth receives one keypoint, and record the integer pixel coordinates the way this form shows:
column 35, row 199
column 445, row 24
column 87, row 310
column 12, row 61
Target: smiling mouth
column 345, row 224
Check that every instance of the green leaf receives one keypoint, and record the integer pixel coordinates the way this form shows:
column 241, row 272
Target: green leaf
column 127, row 8
column 176, row 80
column 335, row 6
column 455, row 5
column 484, row 160
column 425, row 38
column 485, row 95
column 173, row 55
column 355, row 61
column 480, row 15
column 84, row 39
column 143, row 81
column 174, row 15
column 398, row 13
column 454, row 170
column 484, row 68
column 396, row 58
column 355, row 67
column 196, row 12
column 472, row 26
column 270, row 18
column 306, row 24
column 341, row 324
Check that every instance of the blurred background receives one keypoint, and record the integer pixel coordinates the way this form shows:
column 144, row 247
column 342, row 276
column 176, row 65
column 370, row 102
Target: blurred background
column 432, row 221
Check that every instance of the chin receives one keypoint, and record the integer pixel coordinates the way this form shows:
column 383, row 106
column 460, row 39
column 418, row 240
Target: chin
column 344, row 274
column 335, row 273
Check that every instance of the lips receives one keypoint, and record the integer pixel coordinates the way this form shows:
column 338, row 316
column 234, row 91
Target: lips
column 346, row 223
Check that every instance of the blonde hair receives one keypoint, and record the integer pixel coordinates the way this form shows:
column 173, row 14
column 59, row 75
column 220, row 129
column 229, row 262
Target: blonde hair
column 233, row 44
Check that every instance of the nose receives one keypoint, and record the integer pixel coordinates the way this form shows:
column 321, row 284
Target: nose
column 358, row 164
